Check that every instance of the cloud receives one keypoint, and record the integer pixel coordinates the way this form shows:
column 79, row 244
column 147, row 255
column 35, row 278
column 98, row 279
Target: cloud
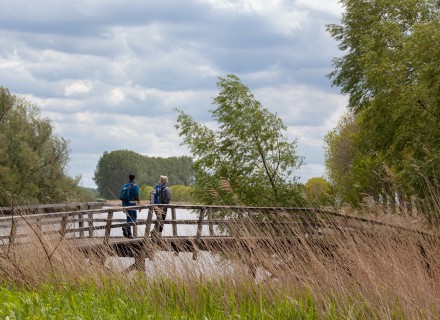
column 110, row 74
column 78, row 88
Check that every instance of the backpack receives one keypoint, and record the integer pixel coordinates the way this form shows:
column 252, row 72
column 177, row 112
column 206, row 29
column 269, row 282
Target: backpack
column 125, row 193
column 162, row 195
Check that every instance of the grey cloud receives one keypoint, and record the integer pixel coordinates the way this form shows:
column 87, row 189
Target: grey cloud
column 97, row 68
column 88, row 17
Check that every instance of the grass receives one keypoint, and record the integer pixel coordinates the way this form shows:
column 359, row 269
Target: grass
column 315, row 267
column 168, row 299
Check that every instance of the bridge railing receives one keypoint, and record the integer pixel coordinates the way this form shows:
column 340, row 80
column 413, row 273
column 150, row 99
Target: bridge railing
column 93, row 223
column 36, row 208
column 209, row 221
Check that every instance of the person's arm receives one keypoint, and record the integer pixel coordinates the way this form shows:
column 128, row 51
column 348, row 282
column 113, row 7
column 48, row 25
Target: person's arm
column 136, row 195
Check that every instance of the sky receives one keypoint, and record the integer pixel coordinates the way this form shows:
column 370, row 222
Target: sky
column 110, row 74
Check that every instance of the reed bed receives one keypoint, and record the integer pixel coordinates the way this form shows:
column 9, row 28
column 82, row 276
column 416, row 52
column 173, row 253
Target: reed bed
column 317, row 265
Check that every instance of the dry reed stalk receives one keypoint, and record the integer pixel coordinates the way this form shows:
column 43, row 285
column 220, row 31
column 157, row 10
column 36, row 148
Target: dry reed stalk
column 336, row 255
column 38, row 259
column 329, row 256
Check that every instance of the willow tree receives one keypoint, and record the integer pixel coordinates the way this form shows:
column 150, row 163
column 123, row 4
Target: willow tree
column 33, row 159
column 247, row 159
column 391, row 72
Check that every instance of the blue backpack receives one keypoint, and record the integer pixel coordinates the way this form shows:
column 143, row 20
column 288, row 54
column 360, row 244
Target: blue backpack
column 125, row 193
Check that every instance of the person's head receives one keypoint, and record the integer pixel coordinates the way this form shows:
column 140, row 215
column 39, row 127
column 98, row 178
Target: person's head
column 163, row 179
column 131, row 177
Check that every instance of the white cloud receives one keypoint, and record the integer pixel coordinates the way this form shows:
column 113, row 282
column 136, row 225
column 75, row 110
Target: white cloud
column 309, row 171
column 279, row 13
column 109, row 74
column 332, row 7
column 78, row 88
column 116, row 96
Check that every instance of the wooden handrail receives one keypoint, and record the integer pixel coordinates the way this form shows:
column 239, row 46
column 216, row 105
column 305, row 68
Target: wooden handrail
column 76, row 219
column 78, row 205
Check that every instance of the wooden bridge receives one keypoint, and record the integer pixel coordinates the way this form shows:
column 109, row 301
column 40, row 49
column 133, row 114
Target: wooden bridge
column 95, row 228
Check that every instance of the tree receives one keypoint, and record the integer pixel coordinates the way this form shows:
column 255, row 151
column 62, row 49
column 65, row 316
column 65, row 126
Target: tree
column 319, row 192
column 114, row 167
column 391, row 73
column 247, row 160
column 353, row 168
column 32, row 158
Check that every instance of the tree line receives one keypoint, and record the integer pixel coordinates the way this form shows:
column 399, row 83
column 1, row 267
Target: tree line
column 114, row 167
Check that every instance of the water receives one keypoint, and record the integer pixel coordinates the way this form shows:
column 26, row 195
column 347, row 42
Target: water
column 168, row 263
column 181, row 214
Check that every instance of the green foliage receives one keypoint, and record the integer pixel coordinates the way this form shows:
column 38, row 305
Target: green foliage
column 114, row 167
column 83, row 194
column 391, row 73
column 248, row 160
column 181, row 193
column 354, row 169
column 32, row 158
column 145, row 193
column 319, row 192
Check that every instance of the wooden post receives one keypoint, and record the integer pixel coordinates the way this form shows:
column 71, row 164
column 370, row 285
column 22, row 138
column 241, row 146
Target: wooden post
column 158, row 219
column 81, row 223
column 108, row 227
column 63, row 229
column 148, row 248
column 135, row 229
column 200, row 223
column 198, row 234
column 13, row 232
column 173, row 217
column 211, row 226
column 148, row 224
column 90, row 223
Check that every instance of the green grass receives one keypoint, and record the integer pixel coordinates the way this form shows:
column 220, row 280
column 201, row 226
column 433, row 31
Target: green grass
column 166, row 299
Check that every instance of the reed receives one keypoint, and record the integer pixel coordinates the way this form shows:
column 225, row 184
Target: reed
column 308, row 267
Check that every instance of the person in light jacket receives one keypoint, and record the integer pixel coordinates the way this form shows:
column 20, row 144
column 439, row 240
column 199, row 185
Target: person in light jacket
column 162, row 195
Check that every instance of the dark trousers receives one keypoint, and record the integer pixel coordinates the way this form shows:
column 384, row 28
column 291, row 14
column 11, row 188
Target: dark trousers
column 131, row 219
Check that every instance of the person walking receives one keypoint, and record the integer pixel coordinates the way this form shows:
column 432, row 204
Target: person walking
column 162, row 195
column 129, row 196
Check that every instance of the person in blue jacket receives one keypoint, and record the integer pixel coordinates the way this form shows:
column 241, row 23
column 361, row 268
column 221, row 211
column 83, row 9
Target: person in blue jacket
column 162, row 195
column 133, row 201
